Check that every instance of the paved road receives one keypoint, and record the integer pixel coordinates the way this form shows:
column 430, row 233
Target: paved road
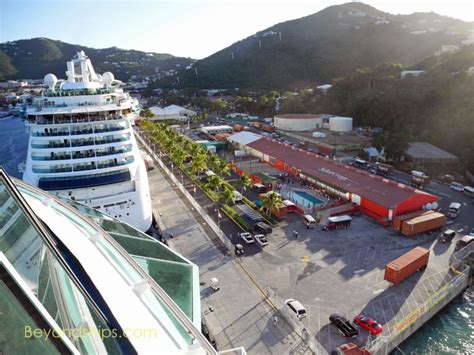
column 240, row 315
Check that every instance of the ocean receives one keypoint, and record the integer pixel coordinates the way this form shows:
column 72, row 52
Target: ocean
column 451, row 331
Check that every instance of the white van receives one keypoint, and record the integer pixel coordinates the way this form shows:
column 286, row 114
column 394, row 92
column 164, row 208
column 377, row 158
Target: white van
column 237, row 196
column 457, row 186
column 309, row 221
column 296, row 307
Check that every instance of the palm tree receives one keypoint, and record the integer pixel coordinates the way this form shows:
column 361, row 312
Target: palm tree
column 244, row 182
column 146, row 113
column 227, row 194
column 178, row 156
column 198, row 163
column 214, row 182
column 273, row 198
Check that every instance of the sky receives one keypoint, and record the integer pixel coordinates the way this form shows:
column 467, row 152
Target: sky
column 188, row 28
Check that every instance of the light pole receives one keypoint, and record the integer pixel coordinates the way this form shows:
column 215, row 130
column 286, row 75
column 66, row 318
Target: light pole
column 194, row 189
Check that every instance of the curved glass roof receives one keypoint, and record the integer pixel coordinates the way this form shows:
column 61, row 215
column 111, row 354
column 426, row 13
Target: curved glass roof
column 84, row 266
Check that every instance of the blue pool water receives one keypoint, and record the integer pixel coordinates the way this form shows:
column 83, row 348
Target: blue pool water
column 305, row 199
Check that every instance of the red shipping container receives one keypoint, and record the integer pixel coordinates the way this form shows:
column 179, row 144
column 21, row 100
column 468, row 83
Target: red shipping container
column 267, row 128
column 407, row 264
column 398, row 220
column 423, row 223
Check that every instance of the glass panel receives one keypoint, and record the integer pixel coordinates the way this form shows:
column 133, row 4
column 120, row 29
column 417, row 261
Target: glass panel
column 44, row 275
column 14, row 324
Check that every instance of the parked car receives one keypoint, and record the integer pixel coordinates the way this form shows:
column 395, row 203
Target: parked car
column 239, row 249
column 471, row 233
column 343, row 325
column 368, row 324
column 296, row 307
column 447, row 236
column 261, row 240
column 262, row 227
column 464, row 242
column 457, row 186
column 247, row 238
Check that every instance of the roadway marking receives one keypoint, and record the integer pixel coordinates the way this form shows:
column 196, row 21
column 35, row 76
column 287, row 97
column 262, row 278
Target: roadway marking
column 443, row 194
column 359, row 271
column 376, row 292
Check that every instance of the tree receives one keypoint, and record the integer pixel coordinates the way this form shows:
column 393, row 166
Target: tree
column 396, row 144
column 273, row 198
column 198, row 163
column 244, row 182
column 146, row 113
column 178, row 155
column 214, row 182
column 227, row 194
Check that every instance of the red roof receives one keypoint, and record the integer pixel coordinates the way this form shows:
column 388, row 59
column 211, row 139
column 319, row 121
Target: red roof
column 385, row 192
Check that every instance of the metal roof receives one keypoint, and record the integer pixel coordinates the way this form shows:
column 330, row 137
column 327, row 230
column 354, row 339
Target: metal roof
column 385, row 192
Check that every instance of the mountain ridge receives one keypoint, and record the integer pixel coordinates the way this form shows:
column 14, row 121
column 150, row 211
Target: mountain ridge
column 33, row 58
column 320, row 47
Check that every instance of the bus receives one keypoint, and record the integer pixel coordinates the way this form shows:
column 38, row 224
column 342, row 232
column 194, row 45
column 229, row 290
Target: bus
column 338, row 222
column 361, row 164
column 469, row 191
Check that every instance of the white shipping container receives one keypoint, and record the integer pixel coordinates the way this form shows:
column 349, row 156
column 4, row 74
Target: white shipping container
column 240, row 153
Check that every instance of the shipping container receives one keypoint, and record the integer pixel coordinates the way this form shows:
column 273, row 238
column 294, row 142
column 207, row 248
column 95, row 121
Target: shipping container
column 266, row 128
column 397, row 221
column 240, row 153
column 222, row 137
column 423, row 223
column 407, row 264
column 385, row 169
column 256, row 124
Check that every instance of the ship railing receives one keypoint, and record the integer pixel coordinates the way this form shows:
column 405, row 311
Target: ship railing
column 54, row 121
column 52, row 170
column 52, row 157
column 49, row 134
column 82, row 143
column 50, row 145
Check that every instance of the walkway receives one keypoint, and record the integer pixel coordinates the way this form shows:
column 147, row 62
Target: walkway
column 237, row 314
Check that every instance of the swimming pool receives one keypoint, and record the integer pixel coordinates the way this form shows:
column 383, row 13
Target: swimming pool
column 305, row 199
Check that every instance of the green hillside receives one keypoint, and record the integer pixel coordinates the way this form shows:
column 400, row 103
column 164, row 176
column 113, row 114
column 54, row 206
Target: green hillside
column 436, row 107
column 33, row 58
column 320, row 47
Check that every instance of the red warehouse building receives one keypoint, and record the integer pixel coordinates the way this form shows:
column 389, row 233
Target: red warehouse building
column 381, row 198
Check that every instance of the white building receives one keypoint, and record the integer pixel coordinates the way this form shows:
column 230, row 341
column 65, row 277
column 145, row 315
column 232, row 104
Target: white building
column 308, row 122
column 216, row 129
column 411, row 72
column 171, row 112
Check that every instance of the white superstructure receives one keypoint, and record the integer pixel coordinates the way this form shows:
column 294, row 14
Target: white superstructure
column 82, row 145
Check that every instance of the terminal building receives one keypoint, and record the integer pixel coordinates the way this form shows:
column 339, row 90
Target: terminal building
column 380, row 198
column 100, row 285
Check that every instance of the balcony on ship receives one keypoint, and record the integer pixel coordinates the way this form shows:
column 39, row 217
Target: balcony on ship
column 115, row 162
column 52, row 156
column 63, row 168
column 81, row 117
column 65, row 143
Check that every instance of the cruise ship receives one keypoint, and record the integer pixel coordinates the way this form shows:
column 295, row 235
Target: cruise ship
column 82, row 146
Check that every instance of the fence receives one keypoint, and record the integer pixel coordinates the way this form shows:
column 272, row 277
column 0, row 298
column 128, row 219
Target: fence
column 409, row 324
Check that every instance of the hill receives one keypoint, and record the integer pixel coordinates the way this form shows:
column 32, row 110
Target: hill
column 436, row 106
column 318, row 48
column 33, row 58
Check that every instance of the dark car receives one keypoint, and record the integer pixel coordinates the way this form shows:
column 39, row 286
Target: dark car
column 368, row 324
column 263, row 228
column 447, row 236
column 343, row 325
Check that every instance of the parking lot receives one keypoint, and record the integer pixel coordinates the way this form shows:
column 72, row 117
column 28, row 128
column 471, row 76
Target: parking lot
column 342, row 272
